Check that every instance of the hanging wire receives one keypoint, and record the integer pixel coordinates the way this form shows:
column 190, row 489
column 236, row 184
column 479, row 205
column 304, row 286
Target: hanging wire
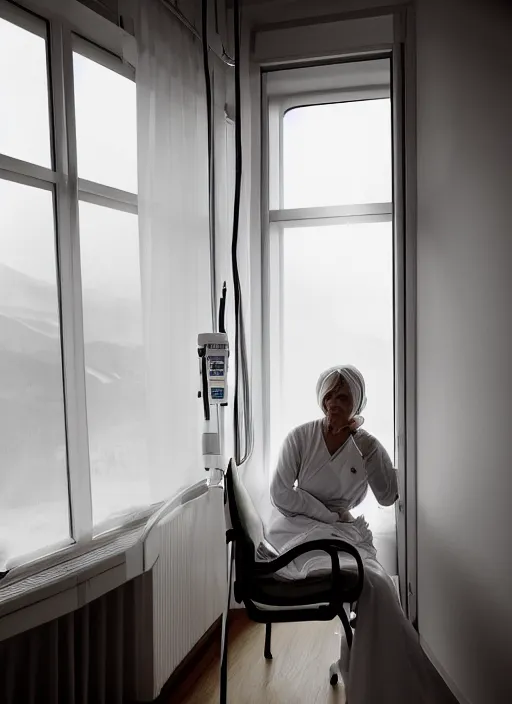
column 211, row 162
column 223, row 56
column 242, row 402
column 243, row 432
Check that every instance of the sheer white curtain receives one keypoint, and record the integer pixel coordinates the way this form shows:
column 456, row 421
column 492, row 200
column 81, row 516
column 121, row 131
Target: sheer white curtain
column 174, row 240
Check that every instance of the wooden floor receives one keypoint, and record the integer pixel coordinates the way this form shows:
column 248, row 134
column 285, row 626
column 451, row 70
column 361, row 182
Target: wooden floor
column 298, row 674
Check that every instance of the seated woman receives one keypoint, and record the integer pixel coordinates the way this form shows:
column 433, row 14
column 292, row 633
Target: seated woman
column 324, row 470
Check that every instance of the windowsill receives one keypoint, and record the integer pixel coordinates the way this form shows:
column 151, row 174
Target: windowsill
column 65, row 581
column 27, row 564
column 77, row 565
column 34, row 599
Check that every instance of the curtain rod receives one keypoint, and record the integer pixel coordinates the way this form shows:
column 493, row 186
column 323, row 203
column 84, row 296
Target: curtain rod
column 223, row 56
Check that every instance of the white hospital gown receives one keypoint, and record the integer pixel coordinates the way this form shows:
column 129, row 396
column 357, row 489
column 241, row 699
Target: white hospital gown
column 309, row 490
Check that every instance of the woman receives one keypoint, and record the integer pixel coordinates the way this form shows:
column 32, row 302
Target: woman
column 324, row 470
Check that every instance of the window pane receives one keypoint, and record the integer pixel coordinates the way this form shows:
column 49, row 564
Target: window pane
column 338, row 309
column 109, row 245
column 24, row 112
column 106, row 126
column 337, row 154
column 33, row 477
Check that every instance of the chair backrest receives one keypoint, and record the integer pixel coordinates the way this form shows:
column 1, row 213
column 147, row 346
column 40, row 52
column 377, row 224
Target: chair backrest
column 246, row 522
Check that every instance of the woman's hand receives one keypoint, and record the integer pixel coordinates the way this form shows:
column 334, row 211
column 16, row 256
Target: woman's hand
column 335, row 426
column 345, row 516
column 367, row 445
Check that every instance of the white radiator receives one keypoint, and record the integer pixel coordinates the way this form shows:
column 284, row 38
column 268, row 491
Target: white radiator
column 124, row 644
column 187, row 551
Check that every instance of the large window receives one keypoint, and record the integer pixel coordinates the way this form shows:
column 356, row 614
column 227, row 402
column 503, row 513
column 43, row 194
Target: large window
column 106, row 141
column 330, row 246
column 72, row 430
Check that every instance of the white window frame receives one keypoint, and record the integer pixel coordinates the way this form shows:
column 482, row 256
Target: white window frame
column 401, row 213
column 276, row 218
column 67, row 23
column 388, row 33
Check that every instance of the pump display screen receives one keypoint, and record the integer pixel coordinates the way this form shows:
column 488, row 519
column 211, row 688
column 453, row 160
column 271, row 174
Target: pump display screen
column 217, row 366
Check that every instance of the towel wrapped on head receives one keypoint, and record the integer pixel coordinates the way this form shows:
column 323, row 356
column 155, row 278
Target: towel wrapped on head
column 355, row 382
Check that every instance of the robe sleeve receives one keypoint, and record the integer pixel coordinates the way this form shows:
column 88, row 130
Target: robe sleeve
column 382, row 476
column 289, row 499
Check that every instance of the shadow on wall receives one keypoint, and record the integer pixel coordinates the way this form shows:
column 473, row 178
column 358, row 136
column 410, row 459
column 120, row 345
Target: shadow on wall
column 466, row 615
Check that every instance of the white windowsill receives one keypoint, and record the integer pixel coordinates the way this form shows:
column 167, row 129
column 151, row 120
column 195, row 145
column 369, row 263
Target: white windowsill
column 44, row 591
column 68, row 585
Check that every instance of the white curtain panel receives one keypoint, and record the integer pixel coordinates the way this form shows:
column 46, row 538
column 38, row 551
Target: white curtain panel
column 174, row 240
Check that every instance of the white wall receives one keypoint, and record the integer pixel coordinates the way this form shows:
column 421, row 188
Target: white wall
column 464, row 70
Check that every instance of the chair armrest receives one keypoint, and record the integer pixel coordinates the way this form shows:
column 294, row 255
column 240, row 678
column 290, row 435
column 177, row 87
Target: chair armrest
column 330, row 546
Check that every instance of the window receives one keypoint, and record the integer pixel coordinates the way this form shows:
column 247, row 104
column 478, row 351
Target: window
column 72, row 401
column 106, row 126
column 337, row 154
column 114, row 359
column 330, row 297
column 105, row 115
column 24, row 117
column 34, row 509
column 337, row 292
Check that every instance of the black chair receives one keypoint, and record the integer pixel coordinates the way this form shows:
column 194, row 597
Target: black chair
column 315, row 598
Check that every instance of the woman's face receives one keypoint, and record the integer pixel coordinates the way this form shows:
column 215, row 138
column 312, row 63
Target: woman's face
column 338, row 404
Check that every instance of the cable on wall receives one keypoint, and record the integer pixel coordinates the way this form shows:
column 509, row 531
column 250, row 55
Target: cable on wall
column 211, row 161
column 242, row 403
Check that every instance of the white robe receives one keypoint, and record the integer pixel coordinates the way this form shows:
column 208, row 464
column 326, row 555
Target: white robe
column 309, row 491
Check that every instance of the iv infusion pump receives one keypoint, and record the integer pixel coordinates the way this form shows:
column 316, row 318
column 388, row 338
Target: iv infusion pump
column 213, row 349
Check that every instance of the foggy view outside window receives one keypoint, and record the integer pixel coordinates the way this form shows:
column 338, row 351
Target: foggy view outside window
column 106, row 125
column 114, row 358
column 338, row 308
column 33, row 478
column 105, row 107
column 34, row 509
column 24, row 108
column 34, row 490
column 337, row 289
column 337, row 154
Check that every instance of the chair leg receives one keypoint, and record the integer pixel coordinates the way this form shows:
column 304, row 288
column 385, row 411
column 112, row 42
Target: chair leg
column 346, row 626
column 353, row 620
column 333, row 674
column 268, row 639
column 224, row 660
column 337, row 668
column 225, row 626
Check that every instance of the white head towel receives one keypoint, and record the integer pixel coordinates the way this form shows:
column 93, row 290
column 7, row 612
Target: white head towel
column 355, row 381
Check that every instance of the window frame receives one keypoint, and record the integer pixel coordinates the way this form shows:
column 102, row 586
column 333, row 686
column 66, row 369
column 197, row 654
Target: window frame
column 73, row 30
column 275, row 218
column 278, row 106
column 402, row 93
